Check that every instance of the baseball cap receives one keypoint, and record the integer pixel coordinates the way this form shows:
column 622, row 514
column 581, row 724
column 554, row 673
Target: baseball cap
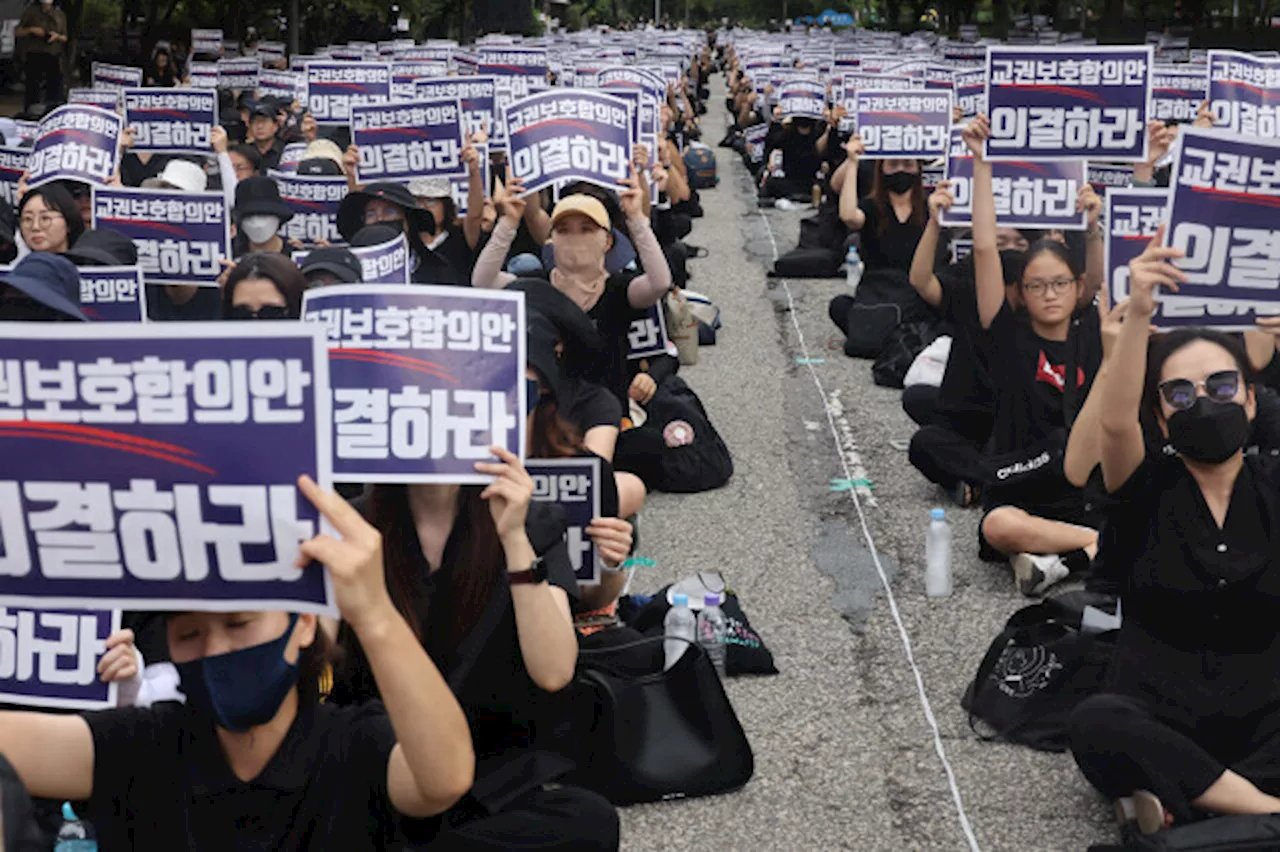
column 583, row 205
column 430, row 187
column 344, row 265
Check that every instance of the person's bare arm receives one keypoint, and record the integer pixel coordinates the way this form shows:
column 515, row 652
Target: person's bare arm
column 53, row 754
column 1089, row 202
column 921, row 274
column 850, row 213
column 537, row 220
column 644, row 291
column 473, row 222
column 988, row 272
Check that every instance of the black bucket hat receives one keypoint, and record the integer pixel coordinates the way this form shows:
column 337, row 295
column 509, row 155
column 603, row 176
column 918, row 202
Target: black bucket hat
column 49, row 279
column 103, row 247
column 351, row 212
column 260, row 196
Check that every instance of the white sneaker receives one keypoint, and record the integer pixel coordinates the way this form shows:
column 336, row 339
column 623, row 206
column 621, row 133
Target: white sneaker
column 1035, row 573
column 785, row 204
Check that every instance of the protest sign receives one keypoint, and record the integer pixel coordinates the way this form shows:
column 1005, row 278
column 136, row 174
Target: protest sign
column 573, row 484
column 1104, row 177
column 1176, row 93
column 1027, row 194
column 333, row 88
column 511, row 61
column 113, row 294
column 754, row 137
column 171, row 121
column 460, row 186
column 107, row 76
column 971, row 91
column 288, row 85
column 406, row 73
column 290, row 157
column 271, row 51
column 648, row 335
column 108, row 99
column 1133, row 216
column 799, row 98
column 425, row 53
column 49, row 658
column 1224, row 213
column 206, row 42
column 1055, row 103
column 475, row 96
column 181, row 237
column 203, row 75
column 314, row 202
column 384, row 263
column 1244, row 93
column 75, row 142
column 239, row 74
column 13, row 164
column 424, row 379
column 178, row 452
column 559, row 136
column 632, row 78
column 406, row 140
column 915, row 125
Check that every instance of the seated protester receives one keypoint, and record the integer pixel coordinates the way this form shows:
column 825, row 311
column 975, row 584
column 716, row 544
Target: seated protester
column 258, row 216
column 581, row 238
column 41, row 287
column 263, row 286
column 483, row 579
column 393, row 205
column 82, row 193
column 254, row 759
column 1043, row 362
column 803, row 143
column 245, row 161
column 1186, row 723
column 448, row 240
column 229, row 119
column 331, row 265
column 955, row 418
column 322, row 158
column 264, row 134
column 103, row 247
column 138, row 166
column 49, row 219
column 891, row 218
column 161, row 71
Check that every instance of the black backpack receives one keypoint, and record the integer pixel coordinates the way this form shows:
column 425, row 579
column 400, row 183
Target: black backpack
column 883, row 301
column 808, row 263
column 1037, row 670
column 677, row 449
column 1235, row 833
column 900, row 350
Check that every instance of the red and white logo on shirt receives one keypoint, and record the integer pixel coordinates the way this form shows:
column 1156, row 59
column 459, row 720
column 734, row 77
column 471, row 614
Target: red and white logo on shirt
column 1056, row 374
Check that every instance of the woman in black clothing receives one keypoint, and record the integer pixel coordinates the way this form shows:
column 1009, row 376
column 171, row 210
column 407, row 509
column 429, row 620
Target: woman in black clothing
column 392, row 204
column 263, row 285
column 1044, row 359
column 892, row 217
column 161, row 72
column 1190, row 718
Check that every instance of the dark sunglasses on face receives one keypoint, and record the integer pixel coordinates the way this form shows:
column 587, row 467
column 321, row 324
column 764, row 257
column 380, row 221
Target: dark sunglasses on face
column 266, row 312
column 1180, row 394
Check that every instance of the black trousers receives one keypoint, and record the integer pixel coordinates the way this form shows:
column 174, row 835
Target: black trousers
column 1123, row 744
column 948, row 450
column 43, row 80
column 562, row 819
column 785, row 187
column 920, row 403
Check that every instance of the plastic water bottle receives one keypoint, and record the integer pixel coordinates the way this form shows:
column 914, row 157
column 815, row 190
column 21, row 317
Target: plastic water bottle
column 937, row 555
column 75, row 835
column 852, row 268
column 711, row 630
column 680, row 624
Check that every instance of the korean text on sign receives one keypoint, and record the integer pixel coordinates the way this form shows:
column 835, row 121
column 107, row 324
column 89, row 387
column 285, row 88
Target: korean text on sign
column 1177, row 92
column 239, row 74
column 113, row 294
column 49, row 658
column 171, row 120
column 569, row 135
column 573, row 485
column 181, row 237
column 384, row 263
column 1132, row 218
column 1054, row 103
column 406, row 140
column 1244, row 93
column 314, row 202
column 802, row 99
column 13, row 164
column 75, row 142
column 476, row 96
column 904, row 124
column 647, row 337
column 1224, row 213
column 178, row 453
column 424, row 379
column 107, row 76
column 1027, row 195
column 333, row 88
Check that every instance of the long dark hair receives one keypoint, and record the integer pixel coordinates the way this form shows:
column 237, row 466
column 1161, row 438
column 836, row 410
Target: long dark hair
column 552, row 437
column 313, row 667
column 277, row 269
column 880, row 198
column 478, row 551
column 1163, row 346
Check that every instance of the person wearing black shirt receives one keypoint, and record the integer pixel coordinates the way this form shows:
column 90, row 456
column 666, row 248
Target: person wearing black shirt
column 1189, row 718
column 1044, row 360
column 892, row 217
column 253, row 760
column 264, row 134
column 161, row 73
column 803, row 143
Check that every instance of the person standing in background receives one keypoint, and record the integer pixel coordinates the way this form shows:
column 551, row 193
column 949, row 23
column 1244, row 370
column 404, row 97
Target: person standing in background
column 42, row 37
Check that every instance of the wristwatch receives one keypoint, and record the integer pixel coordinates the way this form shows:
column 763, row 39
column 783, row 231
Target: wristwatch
column 534, row 574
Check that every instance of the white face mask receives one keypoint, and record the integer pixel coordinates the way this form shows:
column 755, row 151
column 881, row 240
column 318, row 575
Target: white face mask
column 259, row 229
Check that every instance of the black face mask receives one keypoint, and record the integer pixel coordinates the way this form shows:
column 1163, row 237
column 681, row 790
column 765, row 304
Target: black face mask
column 1209, row 432
column 900, row 182
column 29, row 310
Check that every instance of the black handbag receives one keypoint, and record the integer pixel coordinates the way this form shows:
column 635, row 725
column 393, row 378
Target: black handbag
column 663, row 735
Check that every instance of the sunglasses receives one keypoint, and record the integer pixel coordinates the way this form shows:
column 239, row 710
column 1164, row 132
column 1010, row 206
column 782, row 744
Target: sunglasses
column 266, row 312
column 1180, row 394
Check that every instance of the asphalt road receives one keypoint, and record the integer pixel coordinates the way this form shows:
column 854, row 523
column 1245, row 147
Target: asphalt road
column 860, row 742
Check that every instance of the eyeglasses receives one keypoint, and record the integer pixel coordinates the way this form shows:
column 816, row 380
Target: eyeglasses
column 44, row 220
column 1180, row 394
column 266, row 312
column 1039, row 288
